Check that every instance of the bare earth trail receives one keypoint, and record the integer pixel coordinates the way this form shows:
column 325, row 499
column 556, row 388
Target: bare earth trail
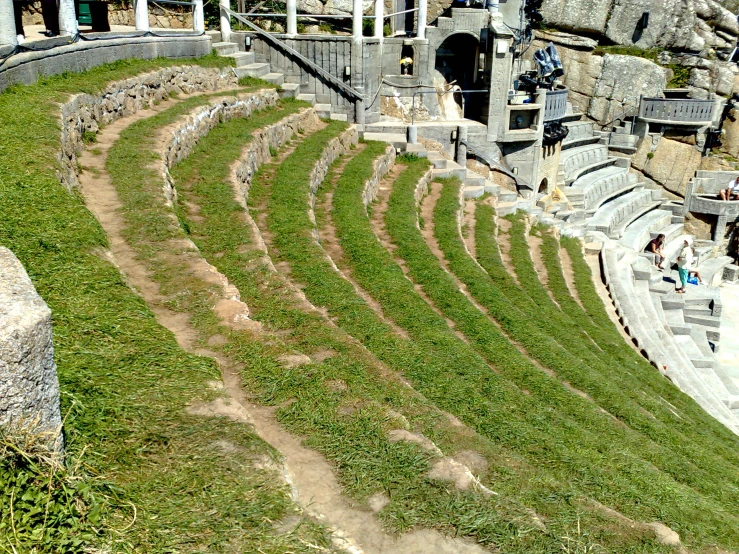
column 313, row 481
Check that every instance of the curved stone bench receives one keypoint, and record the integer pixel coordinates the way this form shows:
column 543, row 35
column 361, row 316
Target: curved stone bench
column 621, row 210
column 573, row 161
column 579, row 130
column 638, row 232
column 591, row 191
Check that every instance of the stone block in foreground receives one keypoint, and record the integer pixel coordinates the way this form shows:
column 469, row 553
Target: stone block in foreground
column 29, row 387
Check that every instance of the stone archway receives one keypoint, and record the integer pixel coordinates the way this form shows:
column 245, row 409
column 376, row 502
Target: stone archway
column 456, row 63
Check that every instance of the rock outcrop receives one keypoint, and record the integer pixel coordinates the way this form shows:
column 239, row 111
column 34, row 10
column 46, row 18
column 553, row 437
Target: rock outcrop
column 29, row 388
column 684, row 25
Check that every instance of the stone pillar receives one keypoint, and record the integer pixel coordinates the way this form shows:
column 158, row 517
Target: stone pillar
column 225, row 20
column 141, row 11
column 29, row 388
column 292, row 19
column 413, row 134
column 461, row 147
column 8, row 33
column 379, row 18
column 359, row 112
column 357, row 21
column 67, row 18
column 198, row 18
column 422, row 17
column 720, row 229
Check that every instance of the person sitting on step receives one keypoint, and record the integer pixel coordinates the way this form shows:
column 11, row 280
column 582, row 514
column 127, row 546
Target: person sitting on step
column 655, row 247
column 731, row 192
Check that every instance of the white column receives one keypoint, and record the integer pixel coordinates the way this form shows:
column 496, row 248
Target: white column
column 379, row 17
column 8, row 33
column 198, row 19
column 422, row 11
column 292, row 17
column 225, row 20
column 357, row 20
column 67, row 18
column 141, row 12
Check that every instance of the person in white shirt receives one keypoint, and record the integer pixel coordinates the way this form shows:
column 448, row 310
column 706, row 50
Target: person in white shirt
column 731, row 191
column 684, row 261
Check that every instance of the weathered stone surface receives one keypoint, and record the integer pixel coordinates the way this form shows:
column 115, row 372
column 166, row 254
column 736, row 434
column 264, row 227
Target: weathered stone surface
column 622, row 80
column 685, row 25
column 730, row 138
column 29, row 388
column 86, row 113
column 673, row 164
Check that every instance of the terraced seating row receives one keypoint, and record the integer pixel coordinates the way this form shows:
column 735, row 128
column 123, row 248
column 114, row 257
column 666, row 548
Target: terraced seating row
column 638, row 314
column 582, row 160
column 580, row 134
column 613, row 217
column 590, row 191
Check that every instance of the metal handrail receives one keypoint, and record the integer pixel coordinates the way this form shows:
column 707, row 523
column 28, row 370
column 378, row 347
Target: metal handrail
column 317, row 68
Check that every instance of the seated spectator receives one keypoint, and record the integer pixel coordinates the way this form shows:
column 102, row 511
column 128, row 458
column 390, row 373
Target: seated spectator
column 731, row 192
column 655, row 247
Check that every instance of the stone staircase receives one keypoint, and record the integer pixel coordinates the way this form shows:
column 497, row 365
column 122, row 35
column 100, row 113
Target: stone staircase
column 247, row 66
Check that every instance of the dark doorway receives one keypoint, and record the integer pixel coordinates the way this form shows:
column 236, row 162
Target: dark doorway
column 543, row 186
column 456, row 60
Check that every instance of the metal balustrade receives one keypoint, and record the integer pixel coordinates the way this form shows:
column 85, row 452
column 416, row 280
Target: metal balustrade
column 677, row 110
column 556, row 104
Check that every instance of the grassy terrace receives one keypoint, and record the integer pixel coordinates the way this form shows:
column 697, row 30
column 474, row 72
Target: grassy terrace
column 142, row 475
column 561, row 416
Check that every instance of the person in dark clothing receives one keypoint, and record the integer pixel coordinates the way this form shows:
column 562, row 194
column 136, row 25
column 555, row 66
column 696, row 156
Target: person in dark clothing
column 655, row 247
column 18, row 13
column 50, row 13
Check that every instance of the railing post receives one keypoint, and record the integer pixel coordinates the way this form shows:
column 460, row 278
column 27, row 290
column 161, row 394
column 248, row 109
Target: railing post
column 422, row 16
column 379, row 18
column 225, row 20
column 67, row 18
column 357, row 21
column 292, row 18
column 8, row 33
column 141, row 13
column 198, row 18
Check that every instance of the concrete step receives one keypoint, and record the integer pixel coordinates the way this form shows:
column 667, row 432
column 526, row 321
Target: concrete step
column 242, row 58
column 274, row 78
column 225, row 48
column 492, row 188
column 339, row 117
column 473, row 191
column 396, row 139
column 215, row 36
column 506, row 195
column 323, row 110
column 712, row 270
column 256, row 70
column 506, row 208
column 310, row 98
column 705, row 321
column 676, row 322
column 417, row 149
column 289, row 90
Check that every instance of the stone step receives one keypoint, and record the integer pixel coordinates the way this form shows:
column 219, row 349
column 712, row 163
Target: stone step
column 492, row 188
column 676, row 322
column 225, row 48
column 242, row 58
column 339, row 117
column 257, row 70
column 705, row 321
column 323, row 110
column 398, row 140
column 474, row 191
column 507, row 195
column 507, row 208
column 215, row 36
column 274, row 78
column 712, row 270
column 310, row 98
column 416, row 148
column 289, row 90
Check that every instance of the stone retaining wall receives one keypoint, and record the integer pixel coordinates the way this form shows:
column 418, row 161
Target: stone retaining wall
column 86, row 113
column 203, row 120
column 422, row 188
column 380, row 168
column 29, row 388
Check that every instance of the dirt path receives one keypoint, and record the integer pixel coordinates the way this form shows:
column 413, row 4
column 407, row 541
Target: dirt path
column 312, row 478
column 377, row 222
column 503, row 227
column 468, row 231
column 329, row 241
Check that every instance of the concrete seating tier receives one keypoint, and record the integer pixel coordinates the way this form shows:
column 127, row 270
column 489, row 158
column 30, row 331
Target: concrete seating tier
column 583, row 159
column 618, row 211
column 639, row 233
column 651, row 327
column 578, row 130
column 590, row 191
